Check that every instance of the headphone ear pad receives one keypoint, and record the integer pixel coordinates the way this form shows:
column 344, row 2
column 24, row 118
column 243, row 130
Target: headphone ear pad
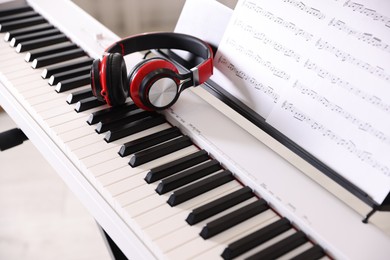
column 139, row 72
column 95, row 80
column 116, row 79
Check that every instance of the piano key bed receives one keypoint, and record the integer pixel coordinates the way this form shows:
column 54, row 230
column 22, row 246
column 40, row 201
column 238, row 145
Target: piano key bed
column 177, row 200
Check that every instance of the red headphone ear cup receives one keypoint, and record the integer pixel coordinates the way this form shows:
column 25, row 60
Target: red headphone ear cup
column 116, row 79
column 139, row 72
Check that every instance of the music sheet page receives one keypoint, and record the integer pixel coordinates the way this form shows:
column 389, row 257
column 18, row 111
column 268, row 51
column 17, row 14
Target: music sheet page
column 319, row 72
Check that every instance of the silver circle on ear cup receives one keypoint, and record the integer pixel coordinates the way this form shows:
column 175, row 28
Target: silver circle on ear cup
column 163, row 92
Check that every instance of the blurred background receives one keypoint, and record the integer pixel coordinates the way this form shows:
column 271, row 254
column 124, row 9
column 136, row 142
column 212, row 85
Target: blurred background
column 40, row 218
column 127, row 17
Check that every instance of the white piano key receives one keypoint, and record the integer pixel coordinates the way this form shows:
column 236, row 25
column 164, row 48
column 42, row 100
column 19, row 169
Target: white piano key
column 116, row 171
column 166, row 226
column 81, row 142
column 76, row 133
column 267, row 244
column 195, row 246
column 42, row 91
column 187, row 233
column 296, row 251
column 54, row 102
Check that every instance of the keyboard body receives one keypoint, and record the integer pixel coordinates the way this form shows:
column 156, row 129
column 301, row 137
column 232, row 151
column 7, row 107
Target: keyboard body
column 91, row 169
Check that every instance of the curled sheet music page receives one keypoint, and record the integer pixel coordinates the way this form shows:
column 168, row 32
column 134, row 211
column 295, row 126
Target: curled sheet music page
column 319, row 72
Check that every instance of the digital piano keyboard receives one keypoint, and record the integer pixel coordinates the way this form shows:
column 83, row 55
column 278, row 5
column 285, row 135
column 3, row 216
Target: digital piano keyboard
column 189, row 183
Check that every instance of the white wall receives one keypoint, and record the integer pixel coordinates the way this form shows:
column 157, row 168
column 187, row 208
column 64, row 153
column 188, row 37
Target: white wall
column 127, row 17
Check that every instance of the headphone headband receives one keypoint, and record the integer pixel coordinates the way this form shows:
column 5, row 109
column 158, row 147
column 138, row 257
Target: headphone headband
column 167, row 40
column 162, row 40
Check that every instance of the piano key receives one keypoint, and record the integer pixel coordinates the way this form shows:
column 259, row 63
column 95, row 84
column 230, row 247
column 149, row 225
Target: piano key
column 191, row 244
column 31, row 55
column 72, row 83
column 56, row 58
column 108, row 112
column 87, row 103
column 117, row 169
column 219, row 225
column 187, row 176
column 117, row 120
column 42, row 42
column 153, row 153
column 170, row 168
column 17, row 16
column 256, row 238
column 148, row 141
column 314, row 252
column 174, row 219
column 21, row 23
column 132, row 128
column 33, row 36
column 66, row 66
column 55, row 78
column 281, row 247
column 217, row 206
column 15, row 10
column 27, row 30
column 197, row 188
column 76, row 96
column 212, row 248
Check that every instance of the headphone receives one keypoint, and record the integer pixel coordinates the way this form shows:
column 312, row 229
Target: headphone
column 155, row 83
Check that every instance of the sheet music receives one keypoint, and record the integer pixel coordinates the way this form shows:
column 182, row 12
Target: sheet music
column 318, row 71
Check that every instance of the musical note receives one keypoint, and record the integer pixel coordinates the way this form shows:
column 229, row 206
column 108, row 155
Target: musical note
column 344, row 143
column 309, row 10
column 258, row 59
column 278, row 20
column 344, row 56
column 260, row 36
column 334, row 79
column 362, row 36
column 337, row 110
column 373, row 14
column 269, row 91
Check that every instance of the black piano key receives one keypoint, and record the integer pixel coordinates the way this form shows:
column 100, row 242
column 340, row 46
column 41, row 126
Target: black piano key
column 33, row 36
column 79, row 95
column 282, row 247
column 187, row 176
column 173, row 167
column 56, row 78
column 72, row 83
column 313, row 253
column 214, row 207
column 159, row 151
column 116, row 120
column 4, row 27
column 57, row 57
column 27, row 30
column 236, row 217
column 198, row 188
column 148, row 141
column 49, row 71
column 14, row 10
column 134, row 127
column 256, row 238
column 97, row 116
column 87, row 103
column 30, row 56
column 42, row 42
column 17, row 16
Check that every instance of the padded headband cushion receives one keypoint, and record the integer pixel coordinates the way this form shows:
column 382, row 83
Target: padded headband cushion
column 143, row 42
